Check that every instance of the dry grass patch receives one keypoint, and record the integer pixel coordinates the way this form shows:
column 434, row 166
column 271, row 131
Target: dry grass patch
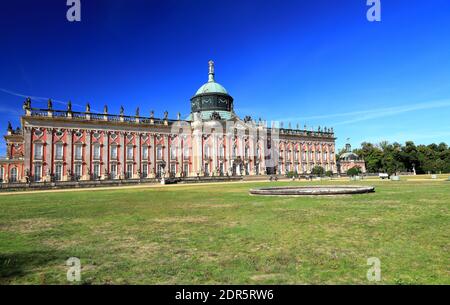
column 30, row 225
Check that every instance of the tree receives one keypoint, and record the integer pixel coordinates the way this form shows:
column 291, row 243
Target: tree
column 354, row 171
column 394, row 158
column 318, row 171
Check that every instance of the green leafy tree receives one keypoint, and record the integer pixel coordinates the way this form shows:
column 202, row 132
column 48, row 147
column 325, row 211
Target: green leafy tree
column 354, row 171
column 395, row 157
column 318, row 171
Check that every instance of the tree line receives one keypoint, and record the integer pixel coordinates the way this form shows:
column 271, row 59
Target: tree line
column 394, row 158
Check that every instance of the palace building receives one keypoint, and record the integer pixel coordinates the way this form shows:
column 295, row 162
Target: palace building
column 64, row 145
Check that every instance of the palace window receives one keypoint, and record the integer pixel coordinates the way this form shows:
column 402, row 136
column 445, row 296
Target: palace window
column 311, row 155
column 258, row 152
column 173, row 153
column 78, row 171
column 186, row 168
column 159, row 169
column 78, row 152
column 206, row 151
column 221, row 151
column 130, row 152
column 113, row 152
column 173, row 168
column 246, row 152
column 58, row 172
column 96, row 173
column 317, row 155
column 2, row 173
column 159, row 152
column 325, row 155
column 13, row 175
column 304, row 155
column 289, row 155
column 113, row 171
column 129, row 173
column 37, row 172
column 145, row 152
column 96, row 152
column 186, row 153
column 145, row 170
column 38, row 151
column 234, row 152
column 59, row 148
column 206, row 169
column 295, row 155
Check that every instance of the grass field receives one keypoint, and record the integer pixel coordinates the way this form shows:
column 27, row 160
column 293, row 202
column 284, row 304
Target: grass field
column 208, row 234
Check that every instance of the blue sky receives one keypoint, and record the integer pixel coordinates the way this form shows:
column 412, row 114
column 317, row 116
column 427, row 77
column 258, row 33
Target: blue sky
column 312, row 62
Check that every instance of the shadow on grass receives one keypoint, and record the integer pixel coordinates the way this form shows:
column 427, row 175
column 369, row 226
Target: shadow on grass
column 17, row 265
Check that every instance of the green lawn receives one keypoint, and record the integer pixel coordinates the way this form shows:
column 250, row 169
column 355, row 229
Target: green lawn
column 208, row 234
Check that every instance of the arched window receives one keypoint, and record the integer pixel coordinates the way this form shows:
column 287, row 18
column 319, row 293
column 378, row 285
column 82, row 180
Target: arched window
column 96, row 151
column 186, row 152
column 13, row 175
column 206, row 151
column 159, row 152
column 38, row 151
column 37, row 172
column 59, row 151
column 78, row 151
column 173, row 152
column 58, row 172
column 221, row 151
column 145, row 152
column 130, row 152
column 113, row 154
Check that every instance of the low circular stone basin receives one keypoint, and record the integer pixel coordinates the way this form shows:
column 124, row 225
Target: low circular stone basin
column 313, row 190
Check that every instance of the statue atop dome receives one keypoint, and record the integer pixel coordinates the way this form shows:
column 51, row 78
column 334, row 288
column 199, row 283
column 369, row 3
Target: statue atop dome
column 211, row 71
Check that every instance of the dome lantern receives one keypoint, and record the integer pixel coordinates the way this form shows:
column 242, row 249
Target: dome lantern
column 212, row 97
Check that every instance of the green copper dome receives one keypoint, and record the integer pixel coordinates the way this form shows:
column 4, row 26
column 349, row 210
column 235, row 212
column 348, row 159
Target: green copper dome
column 211, row 87
column 212, row 98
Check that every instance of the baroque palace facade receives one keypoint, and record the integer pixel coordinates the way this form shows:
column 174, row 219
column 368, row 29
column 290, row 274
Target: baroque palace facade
column 65, row 145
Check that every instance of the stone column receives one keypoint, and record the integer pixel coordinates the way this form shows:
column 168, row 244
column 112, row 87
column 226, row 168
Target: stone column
column 196, row 150
column 166, row 154
column 251, row 156
column 214, row 151
column 228, row 152
column 27, row 151
column 105, row 155
column 68, row 155
column 152, row 155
